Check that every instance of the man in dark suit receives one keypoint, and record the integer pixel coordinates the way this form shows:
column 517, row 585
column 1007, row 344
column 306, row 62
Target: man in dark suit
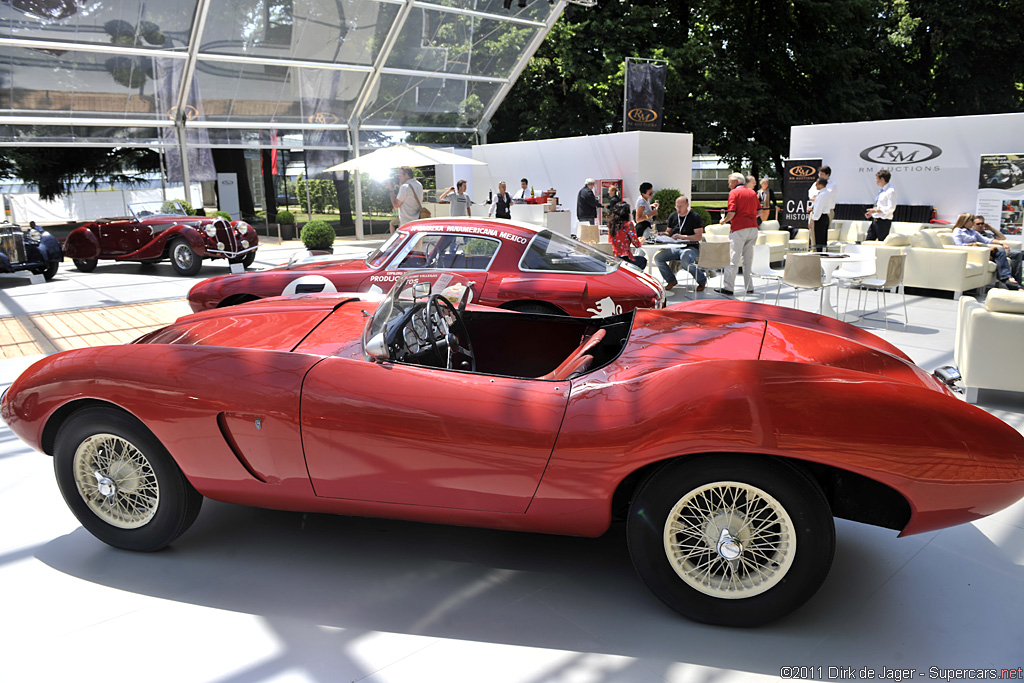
column 587, row 205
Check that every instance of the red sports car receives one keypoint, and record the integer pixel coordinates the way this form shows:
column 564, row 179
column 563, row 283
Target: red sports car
column 513, row 265
column 727, row 434
column 162, row 230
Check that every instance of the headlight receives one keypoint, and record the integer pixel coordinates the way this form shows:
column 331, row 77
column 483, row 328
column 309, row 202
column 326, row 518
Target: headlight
column 211, row 230
column 245, row 244
column 33, row 235
column 220, row 245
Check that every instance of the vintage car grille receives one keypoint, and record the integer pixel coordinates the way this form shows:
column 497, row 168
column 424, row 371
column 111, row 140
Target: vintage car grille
column 12, row 243
column 230, row 239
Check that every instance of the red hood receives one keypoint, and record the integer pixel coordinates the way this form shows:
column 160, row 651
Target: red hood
column 277, row 324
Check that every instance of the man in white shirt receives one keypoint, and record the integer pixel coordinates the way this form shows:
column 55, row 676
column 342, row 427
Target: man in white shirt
column 819, row 219
column 458, row 198
column 409, row 198
column 885, row 206
column 524, row 192
column 825, row 172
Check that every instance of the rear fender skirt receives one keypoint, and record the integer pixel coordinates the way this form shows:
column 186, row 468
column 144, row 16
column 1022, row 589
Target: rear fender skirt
column 82, row 244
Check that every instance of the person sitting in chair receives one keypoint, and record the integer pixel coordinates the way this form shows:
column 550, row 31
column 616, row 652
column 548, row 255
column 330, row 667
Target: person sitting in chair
column 687, row 228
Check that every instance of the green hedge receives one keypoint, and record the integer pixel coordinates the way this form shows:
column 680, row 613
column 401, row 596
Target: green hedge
column 666, row 199
column 317, row 235
column 705, row 217
column 285, row 217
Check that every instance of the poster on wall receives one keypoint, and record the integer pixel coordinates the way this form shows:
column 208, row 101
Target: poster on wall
column 1001, row 192
column 645, row 94
column 798, row 176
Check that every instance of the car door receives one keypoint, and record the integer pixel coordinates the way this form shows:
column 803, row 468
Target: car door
column 413, row 435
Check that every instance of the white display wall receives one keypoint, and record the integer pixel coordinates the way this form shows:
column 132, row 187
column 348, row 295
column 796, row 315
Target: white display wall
column 662, row 159
column 933, row 161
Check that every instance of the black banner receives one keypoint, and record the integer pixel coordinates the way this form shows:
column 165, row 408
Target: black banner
column 645, row 95
column 798, row 177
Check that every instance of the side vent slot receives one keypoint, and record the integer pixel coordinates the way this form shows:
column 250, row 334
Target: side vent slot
column 230, row 441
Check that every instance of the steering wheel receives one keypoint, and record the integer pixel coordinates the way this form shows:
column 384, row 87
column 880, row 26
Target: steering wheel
column 446, row 323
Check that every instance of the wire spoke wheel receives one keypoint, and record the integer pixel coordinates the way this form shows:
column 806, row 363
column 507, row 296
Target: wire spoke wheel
column 729, row 540
column 116, row 481
column 716, row 537
column 183, row 255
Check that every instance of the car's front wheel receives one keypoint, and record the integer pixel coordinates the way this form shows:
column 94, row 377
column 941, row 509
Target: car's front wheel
column 51, row 270
column 731, row 540
column 184, row 260
column 120, row 482
column 86, row 265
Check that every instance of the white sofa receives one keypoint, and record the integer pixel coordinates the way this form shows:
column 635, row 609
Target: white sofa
column 769, row 233
column 931, row 264
column 984, row 334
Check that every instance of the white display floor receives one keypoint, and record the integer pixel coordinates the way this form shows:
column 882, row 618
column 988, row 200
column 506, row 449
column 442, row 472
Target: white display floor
column 250, row 595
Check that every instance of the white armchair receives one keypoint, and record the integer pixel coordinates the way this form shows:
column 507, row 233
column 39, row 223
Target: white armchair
column 984, row 334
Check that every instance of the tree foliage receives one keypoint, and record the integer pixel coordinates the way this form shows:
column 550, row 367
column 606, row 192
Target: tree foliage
column 741, row 73
column 56, row 170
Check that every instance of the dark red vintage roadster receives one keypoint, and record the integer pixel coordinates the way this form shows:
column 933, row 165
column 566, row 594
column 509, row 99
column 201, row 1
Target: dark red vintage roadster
column 162, row 230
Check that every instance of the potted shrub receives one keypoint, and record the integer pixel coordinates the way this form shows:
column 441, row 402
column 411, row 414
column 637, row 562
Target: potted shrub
column 318, row 236
column 286, row 219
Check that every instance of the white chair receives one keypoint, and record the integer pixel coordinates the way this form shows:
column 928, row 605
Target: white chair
column 762, row 268
column 803, row 271
column 856, row 271
column 714, row 257
column 893, row 278
column 984, row 332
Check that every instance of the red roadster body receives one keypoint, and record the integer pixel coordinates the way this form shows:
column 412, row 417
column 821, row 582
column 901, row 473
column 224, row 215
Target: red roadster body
column 162, row 230
column 728, row 435
column 513, row 266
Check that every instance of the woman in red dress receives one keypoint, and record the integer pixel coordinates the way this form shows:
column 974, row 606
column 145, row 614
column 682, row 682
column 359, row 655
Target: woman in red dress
column 623, row 236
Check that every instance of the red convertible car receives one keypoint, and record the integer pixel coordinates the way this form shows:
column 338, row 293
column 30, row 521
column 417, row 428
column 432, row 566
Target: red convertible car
column 726, row 434
column 513, row 265
column 162, row 230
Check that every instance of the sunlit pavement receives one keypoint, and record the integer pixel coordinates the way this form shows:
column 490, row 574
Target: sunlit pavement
column 252, row 595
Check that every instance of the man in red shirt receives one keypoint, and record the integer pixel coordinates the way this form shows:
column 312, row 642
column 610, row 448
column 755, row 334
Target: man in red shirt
column 741, row 214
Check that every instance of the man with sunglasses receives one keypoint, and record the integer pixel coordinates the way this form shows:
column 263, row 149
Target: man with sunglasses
column 1008, row 265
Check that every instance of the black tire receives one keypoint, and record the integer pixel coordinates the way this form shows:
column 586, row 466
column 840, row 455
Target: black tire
column 794, row 538
column 534, row 307
column 245, row 260
column 162, row 503
column 86, row 265
column 183, row 258
column 51, row 269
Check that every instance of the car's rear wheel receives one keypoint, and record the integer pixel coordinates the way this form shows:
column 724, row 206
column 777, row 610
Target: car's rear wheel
column 731, row 540
column 120, row 482
column 86, row 265
column 245, row 260
column 184, row 260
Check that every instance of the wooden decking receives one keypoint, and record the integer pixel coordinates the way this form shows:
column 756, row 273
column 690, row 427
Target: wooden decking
column 27, row 335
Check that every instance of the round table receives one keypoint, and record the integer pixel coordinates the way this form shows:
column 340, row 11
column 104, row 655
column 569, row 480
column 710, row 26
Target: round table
column 828, row 264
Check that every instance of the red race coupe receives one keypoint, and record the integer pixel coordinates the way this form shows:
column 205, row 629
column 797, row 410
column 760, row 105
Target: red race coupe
column 158, row 231
column 726, row 434
column 513, row 265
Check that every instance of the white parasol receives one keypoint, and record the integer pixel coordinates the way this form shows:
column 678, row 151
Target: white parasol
column 404, row 154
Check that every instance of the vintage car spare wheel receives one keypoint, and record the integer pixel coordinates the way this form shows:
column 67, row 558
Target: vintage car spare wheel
column 184, row 260
column 86, row 265
column 731, row 540
column 120, row 482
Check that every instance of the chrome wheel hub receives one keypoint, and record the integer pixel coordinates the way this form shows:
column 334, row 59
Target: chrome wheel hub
column 183, row 255
column 116, row 481
column 729, row 540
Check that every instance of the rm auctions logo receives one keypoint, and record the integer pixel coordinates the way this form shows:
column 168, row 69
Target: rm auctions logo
column 894, row 153
column 799, row 172
column 639, row 115
column 323, row 118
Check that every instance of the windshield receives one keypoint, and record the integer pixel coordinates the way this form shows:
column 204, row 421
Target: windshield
column 379, row 257
column 551, row 251
column 156, row 208
column 409, row 293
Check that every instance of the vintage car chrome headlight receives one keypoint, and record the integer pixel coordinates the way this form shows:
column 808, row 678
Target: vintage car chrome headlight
column 33, row 235
column 245, row 244
column 220, row 245
column 211, row 230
